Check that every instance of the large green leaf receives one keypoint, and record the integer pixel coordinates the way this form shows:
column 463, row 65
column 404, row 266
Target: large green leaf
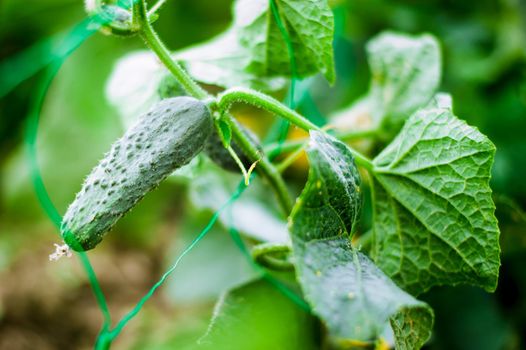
column 355, row 299
column 258, row 316
column 253, row 52
column 434, row 217
column 405, row 74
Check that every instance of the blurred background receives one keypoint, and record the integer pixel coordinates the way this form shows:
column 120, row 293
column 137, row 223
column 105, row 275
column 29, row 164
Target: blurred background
column 46, row 305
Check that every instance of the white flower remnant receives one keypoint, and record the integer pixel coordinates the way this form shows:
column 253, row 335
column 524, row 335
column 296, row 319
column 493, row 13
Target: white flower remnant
column 60, row 251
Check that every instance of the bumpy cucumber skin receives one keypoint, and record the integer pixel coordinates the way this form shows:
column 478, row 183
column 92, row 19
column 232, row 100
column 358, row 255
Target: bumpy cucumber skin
column 215, row 150
column 167, row 137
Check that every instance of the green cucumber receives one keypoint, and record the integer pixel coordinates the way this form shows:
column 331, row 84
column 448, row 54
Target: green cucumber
column 170, row 87
column 215, row 150
column 167, row 137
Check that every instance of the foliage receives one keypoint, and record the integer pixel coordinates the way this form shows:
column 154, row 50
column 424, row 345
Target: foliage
column 397, row 201
column 344, row 287
column 433, row 213
column 434, row 217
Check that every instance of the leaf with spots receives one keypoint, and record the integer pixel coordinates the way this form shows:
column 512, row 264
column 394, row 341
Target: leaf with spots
column 434, row 220
column 353, row 297
column 332, row 191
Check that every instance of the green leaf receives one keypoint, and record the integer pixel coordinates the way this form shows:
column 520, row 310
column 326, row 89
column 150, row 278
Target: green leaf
column 253, row 52
column 310, row 26
column 258, row 316
column 441, row 100
column 224, row 132
column 405, row 74
column 354, row 298
column 434, row 220
column 170, row 87
column 357, row 301
column 332, row 191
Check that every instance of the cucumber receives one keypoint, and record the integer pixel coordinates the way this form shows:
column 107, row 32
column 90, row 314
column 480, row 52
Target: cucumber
column 215, row 150
column 167, row 137
column 169, row 87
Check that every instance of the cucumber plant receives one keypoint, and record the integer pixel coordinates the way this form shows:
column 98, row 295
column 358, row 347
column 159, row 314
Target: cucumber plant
column 433, row 217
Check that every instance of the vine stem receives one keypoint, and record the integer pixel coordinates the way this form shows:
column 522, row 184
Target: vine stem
column 265, row 167
column 153, row 41
column 290, row 159
column 273, row 256
column 240, row 165
column 275, row 149
column 267, row 254
column 255, row 98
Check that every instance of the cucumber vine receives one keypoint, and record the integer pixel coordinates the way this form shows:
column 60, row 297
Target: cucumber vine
column 433, row 216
